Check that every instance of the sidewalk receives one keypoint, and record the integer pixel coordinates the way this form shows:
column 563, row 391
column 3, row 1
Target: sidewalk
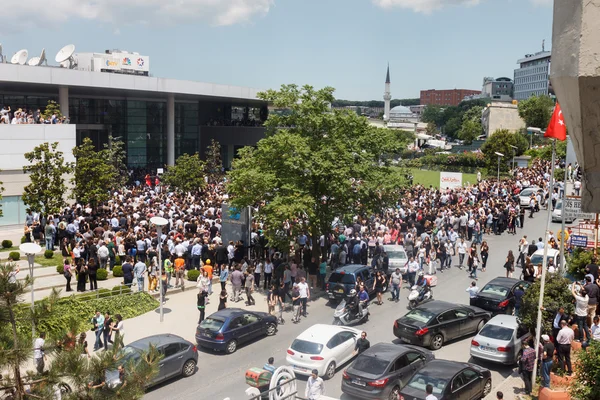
column 512, row 387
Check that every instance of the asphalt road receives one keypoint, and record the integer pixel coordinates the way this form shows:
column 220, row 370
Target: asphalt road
column 220, row 376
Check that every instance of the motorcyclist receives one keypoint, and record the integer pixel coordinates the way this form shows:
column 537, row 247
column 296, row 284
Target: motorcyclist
column 422, row 284
column 363, row 299
column 352, row 302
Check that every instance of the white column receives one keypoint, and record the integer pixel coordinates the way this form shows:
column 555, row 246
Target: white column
column 63, row 100
column 171, row 129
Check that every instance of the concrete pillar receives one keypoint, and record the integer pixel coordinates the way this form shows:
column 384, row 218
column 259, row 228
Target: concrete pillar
column 575, row 77
column 63, row 100
column 171, row 129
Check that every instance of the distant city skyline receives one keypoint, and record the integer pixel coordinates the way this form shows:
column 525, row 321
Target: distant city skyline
column 429, row 44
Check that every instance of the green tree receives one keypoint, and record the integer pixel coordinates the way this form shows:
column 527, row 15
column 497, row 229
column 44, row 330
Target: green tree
column 471, row 124
column 452, row 126
column 536, row 111
column 187, row 175
column 314, row 165
column 578, row 260
column 501, row 141
column 214, row 164
column 587, row 379
column 431, row 128
column 47, row 169
column 94, row 174
column 52, row 108
column 115, row 153
column 432, row 114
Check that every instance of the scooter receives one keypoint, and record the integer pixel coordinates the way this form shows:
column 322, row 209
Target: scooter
column 416, row 296
column 341, row 315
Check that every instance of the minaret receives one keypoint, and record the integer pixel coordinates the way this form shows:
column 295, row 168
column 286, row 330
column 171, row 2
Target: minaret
column 387, row 96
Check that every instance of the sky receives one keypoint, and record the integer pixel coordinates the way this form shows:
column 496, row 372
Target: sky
column 346, row 44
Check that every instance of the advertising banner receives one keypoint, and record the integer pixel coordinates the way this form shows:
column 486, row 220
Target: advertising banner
column 450, row 180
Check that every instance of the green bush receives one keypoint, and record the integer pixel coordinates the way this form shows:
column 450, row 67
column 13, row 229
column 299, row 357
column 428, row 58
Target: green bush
column 23, row 239
column 577, row 261
column 49, row 254
column 121, row 289
column 102, row 274
column 100, row 293
column 193, row 275
column 14, row 255
column 6, row 244
column 118, row 261
column 587, row 378
column 71, row 309
column 117, row 271
column 60, row 269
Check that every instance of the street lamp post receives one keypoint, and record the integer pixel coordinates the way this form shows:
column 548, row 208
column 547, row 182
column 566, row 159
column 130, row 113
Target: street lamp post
column 513, row 161
column 532, row 131
column 500, row 155
column 160, row 222
column 31, row 249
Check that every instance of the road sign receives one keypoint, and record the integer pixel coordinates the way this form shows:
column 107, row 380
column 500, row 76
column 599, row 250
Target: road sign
column 572, row 209
column 589, row 231
column 579, row 240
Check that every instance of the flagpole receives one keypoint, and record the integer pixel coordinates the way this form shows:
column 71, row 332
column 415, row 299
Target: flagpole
column 563, row 216
column 544, row 267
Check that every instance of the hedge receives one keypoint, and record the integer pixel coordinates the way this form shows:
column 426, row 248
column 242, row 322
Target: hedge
column 121, row 289
column 117, row 271
column 102, row 274
column 49, row 254
column 14, row 255
column 6, row 244
column 74, row 308
column 23, row 239
column 193, row 275
column 118, row 261
column 60, row 269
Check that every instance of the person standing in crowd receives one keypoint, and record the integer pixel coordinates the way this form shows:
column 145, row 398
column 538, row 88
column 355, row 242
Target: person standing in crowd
column 223, row 276
column 564, row 339
column 315, row 387
column 413, row 267
column 222, row 299
column 201, row 304
column 296, row 303
column 304, row 294
column 107, row 330
column 485, row 252
column 596, row 328
column 593, row 292
column 249, row 285
column 523, row 247
column 39, row 352
column 127, row 272
column 268, row 273
column 547, row 360
column 526, row 366
column 509, row 264
column 395, row 282
column 68, row 273
column 519, row 293
column 92, row 268
column 581, row 310
column 462, row 251
column 236, row 278
column 322, row 273
column 98, row 328
column 119, row 328
column 281, row 294
column 168, row 269
column 472, row 290
column 362, row 344
column 139, row 270
column 179, row 266
column 378, row 284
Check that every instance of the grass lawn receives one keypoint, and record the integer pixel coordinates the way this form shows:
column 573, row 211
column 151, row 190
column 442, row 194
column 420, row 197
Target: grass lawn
column 13, row 248
column 432, row 178
column 49, row 262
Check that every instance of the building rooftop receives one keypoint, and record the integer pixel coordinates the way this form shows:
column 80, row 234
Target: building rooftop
column 537, row 56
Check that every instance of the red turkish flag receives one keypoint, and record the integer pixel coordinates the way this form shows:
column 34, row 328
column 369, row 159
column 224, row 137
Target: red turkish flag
column 557, row 128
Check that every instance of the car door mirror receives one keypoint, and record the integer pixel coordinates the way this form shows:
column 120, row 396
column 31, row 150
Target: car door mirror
column 471, row 315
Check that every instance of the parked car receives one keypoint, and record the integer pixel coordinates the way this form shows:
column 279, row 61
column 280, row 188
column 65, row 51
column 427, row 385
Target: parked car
column 498, row 295
column 382, row 370
column 557, row 213
column 433, row 323
column 500, row 340
column 226, row 329
column 538, row 257
column 179, row 357
column 397, row 256
column 451, row 380
column 322, row 347
column 343, row 279
column 525, row 195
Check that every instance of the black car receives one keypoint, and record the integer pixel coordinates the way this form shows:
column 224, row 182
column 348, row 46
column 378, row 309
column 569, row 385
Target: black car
column 343, row 279
column 450, row 380
column 498, row 295
column 433, row 323
column 382, row 370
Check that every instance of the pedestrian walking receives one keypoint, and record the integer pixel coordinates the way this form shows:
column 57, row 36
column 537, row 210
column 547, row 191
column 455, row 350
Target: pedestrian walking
column 139, row 270
column 395, row 282
column 519, row 293
column 201, row 304
column 249, row 285
column 314, row 386
column 304, row 294
column 378, row 284
column 98, row 328
column 296, row 303
column 236, row 278
column 413, row 267
column 169, row 270
column 362, row 343
column 223, row 276
column 68, row 273
column 462, row 251
column 547, row 360
column 39, row 352
column 564, row 339
column 223, row 296
column 509, row 264
column 281, row 294
column 526, row 366
column 485, row 252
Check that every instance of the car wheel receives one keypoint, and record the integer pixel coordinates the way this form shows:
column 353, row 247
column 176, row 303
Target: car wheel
column 487, row 388
column 480, row 325
column 231, row 347
column 330, row 371
column 337, row 322
column 412, row 304
column 437, row 341
column 519, row 355
column 395, row 393
column 271, row 329
column 188, row 368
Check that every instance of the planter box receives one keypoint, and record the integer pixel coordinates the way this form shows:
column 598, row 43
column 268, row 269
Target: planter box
column 560, row 381
column 549, row 394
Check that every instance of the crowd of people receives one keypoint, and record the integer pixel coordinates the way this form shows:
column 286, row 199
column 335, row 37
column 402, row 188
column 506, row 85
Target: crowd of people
column 234, row 122
column 25, row 116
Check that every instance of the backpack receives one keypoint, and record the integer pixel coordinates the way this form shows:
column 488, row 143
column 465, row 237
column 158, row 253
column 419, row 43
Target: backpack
column 94, row 321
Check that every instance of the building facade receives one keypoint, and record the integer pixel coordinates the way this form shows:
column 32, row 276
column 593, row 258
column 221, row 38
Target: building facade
column 497, row 89
column 501, row 115
column 451, row 97
column 532, row 78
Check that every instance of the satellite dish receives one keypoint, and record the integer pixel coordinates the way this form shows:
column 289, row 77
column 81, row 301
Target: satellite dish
column 34, row 61
column 20, row 57
column 43, row 59
column 65, row 56
column 30, row 248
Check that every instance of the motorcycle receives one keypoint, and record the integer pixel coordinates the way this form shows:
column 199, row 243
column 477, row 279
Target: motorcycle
column 342, row 315
column 416, row 296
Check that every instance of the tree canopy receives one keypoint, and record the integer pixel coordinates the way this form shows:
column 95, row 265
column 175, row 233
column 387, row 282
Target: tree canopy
column 187, row 175
column 94, row 174
column 375, row 103
column 47, row 170
column 214, row 163
column 536, row 111
column 501, row 141
column 314, row 165
column 471, row 124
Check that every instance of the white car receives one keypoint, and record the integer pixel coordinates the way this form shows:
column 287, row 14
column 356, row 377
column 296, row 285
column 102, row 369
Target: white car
column 525, row 195
column 538, row 257
column 557, row 213
column 322, row 347
column 397, row 256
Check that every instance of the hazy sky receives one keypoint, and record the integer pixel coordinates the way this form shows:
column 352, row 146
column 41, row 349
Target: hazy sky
column 346, row 44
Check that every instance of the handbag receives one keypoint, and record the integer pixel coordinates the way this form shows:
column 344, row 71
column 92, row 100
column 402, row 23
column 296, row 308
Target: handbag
column 67, row 273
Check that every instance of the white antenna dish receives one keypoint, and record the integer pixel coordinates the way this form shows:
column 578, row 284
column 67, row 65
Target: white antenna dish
column 20, row 57
column 65, row 56
column 43, row 59
column 34, row 61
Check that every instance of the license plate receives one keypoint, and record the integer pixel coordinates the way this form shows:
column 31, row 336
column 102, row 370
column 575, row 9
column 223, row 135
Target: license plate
column 484, row 348
column 358, row 383
column 299, row 368
column 405, row 340
column 340, row 290
column 207, row 335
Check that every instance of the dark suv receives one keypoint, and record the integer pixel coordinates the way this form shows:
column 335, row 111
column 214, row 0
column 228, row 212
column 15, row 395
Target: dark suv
column 343, row 279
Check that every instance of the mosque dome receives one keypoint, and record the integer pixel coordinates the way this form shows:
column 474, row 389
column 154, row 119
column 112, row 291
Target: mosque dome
column 400, row 111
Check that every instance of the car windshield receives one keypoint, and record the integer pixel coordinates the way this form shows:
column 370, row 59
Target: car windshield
column 537, row 259
column 420, row 382
column 422, row 316
column 396, row 254
column 306, row 347
column 496, row 332
column 495, row 290
column 337, row 277
column 372, row 365
column 558, row 205
column 212, row 324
